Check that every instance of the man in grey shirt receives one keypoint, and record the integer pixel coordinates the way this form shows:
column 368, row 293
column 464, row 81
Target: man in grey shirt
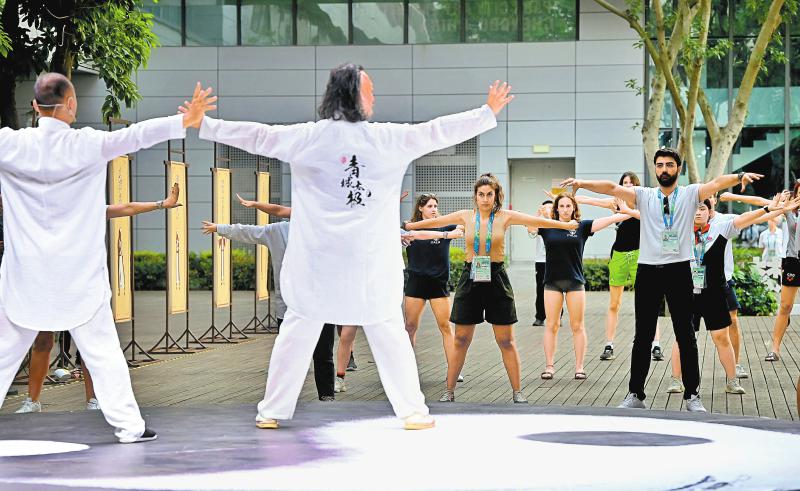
column 665, row 264
column 275, row 236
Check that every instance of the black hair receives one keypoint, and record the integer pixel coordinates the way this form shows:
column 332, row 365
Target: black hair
column 342, row 99
column 668, row 152
column 51, row 89
column 707, row 203
column 547, row 202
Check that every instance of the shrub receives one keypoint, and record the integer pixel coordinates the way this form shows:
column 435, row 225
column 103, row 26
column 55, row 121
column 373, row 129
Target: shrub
column 744, row 255
column 151, row 270
column 754, row 296
column 595, row 271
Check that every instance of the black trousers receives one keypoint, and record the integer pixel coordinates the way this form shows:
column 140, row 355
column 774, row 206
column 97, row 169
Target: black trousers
column 654, row 282
column 540, row 315
column 324, row 372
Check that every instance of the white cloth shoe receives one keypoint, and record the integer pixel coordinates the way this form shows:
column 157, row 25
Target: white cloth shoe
column 28, row 406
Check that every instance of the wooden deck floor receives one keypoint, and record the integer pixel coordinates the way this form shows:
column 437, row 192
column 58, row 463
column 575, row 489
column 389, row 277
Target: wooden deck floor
column 236, row 374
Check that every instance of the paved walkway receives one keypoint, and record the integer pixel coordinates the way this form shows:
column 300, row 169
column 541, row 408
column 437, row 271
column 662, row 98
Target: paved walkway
column 235, row 374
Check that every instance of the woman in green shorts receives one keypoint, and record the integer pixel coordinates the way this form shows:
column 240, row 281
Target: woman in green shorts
column 484, row 291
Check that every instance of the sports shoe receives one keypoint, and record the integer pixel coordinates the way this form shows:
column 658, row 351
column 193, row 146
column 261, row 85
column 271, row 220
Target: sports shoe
column 538, row 323
column 92, row 404
column 733, row 387
column 148, row 436
column 460, row 378
column 448, row 396
column 518, row 398
column 632, row 402
column 419, row 422
column 741, row 372
column 695, row 405
column 339, row 385
column 327, row 398
column 28, row 406
column 675, row 386
column 608, row 353
column 351, row 365
column 658, row 355
column 266, row 423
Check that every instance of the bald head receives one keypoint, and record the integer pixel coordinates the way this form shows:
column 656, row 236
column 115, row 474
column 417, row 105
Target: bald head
column 51, row 89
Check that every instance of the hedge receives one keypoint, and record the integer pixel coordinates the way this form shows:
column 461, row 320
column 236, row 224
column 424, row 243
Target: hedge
column 151, row 270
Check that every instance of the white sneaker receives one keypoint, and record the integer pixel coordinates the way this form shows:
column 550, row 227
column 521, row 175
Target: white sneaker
column 675, row 386
column 632, row 402
column 460, row 378
column 741, row 372
column 339, row 385
column 695, row 405
column 448, row 396
column 92, row 404
column 734, row 387
column 419, row 422
column 28, row 406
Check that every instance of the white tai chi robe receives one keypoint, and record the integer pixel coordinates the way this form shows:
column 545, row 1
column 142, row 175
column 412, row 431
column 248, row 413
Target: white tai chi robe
column 54, row 274
column 343, row 263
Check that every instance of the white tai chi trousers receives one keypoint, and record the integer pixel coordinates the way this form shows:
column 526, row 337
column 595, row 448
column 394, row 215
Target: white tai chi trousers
column 99, row 346
column 294, row 347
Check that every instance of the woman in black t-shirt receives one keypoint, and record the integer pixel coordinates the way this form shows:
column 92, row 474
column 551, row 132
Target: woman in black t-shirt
column 563, row 277
column 428, row 274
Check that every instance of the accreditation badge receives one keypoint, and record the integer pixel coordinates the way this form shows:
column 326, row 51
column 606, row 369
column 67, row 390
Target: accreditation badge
column 698, row 276
column 669, row 242
column 481, row 269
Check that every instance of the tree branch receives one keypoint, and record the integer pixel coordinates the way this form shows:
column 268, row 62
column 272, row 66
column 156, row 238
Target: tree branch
column 708, row 114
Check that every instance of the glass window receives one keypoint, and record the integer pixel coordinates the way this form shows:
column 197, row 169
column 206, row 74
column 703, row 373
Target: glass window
column 322, row 22
column 548, row 20
column 491, row 21
column 378, row 22
column 718, row 27
column 748, row 17
column 766, row 100
column 166, row 20
column 266, row 22
column 434, row 21
column 795, row 82
column 211, row 23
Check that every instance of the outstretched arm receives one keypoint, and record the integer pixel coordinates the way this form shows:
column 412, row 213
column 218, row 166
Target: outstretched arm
column 743, row 198
column 601, row 223
column 136, row 207
column 623, row 207
column 148, row 133
column 420, row 139
column 602, row 187
column 279, row 211
column 588, row 200
column 518, row 218
column 455, row 218
column 723, row 182
column 433, row 234
column 249, row 234
column 777, row 207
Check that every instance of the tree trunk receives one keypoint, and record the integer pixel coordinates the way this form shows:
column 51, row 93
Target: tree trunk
column 686, row 148
column 652, row 120
column 62, row 61
column 8, row 101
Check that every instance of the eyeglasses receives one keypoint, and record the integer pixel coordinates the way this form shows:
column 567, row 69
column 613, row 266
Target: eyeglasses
column 666, row 205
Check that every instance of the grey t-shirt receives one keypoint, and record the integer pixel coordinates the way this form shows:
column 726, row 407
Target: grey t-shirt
column 723, row 217
column 652, row 223
column 791, row 241
column 275, row 236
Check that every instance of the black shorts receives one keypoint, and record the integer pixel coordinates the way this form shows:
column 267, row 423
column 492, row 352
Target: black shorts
column 730, row 297
column 711, row 305
column 790, row 271
column 491, row 301
column 426, row 287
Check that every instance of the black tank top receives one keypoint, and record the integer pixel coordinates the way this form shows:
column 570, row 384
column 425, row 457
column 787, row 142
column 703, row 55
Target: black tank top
column 627, row 236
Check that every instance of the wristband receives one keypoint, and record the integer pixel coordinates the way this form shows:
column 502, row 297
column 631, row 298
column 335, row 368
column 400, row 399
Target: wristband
column 445, row 235
column 159, row 204
column 766, row 209
column 740, row 176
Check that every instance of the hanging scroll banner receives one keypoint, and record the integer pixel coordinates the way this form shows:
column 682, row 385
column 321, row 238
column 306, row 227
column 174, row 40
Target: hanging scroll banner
column 222, row 246
column 177, row 244
column 262, row 253
column 119, row 241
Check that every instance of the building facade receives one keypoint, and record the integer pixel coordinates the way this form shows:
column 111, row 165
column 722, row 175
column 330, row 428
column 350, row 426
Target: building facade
column 268, row 60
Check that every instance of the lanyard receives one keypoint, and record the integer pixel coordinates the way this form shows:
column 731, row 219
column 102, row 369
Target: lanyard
column 672, row 205
column 700, row 245
column 476, row 243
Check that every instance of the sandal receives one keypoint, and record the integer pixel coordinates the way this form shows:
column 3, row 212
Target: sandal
column 772, row 356
column 580, row 375
column 547, row 374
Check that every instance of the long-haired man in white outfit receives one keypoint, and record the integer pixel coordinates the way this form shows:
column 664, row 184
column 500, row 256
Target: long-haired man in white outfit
column 343, row 263
column 54, row 274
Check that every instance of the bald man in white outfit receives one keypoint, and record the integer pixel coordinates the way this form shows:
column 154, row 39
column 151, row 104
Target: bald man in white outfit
column 54, row 274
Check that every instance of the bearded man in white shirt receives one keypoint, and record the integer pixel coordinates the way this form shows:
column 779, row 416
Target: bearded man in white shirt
column 54, row 274
column 343, row 263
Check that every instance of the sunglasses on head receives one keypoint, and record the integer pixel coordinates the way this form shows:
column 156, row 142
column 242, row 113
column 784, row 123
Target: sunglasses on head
column 666, row 205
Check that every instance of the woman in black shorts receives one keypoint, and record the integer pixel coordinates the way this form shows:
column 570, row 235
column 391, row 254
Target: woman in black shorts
column 563, row 277
column 428, row 274
column 484, row 291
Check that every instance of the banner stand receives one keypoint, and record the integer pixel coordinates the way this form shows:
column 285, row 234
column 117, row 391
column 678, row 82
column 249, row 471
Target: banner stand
column 171, row 344
column 132, row 345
